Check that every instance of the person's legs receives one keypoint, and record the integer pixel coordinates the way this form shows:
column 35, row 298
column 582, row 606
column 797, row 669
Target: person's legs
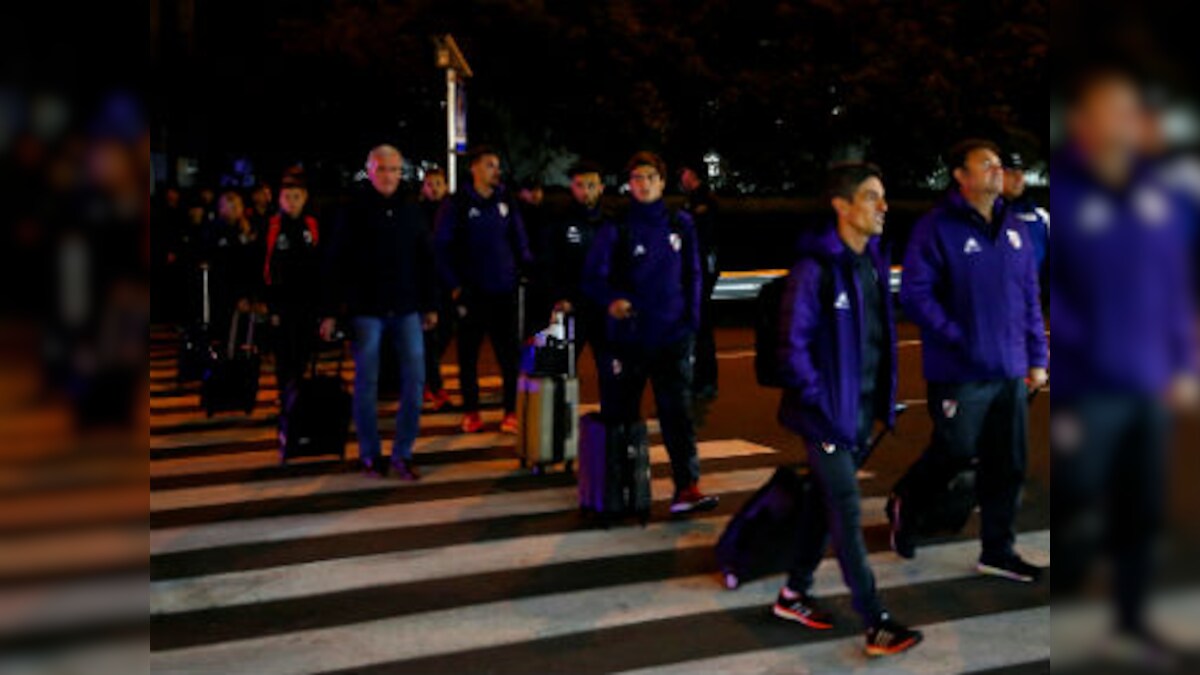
column 433, row 358
column 1004, row 446
column 1137, row 508
column 470, row 339
column 410, row 356
column 368, row 331
column 502, row 332
column 670, row 370
column 835, row 478
column 813, row 538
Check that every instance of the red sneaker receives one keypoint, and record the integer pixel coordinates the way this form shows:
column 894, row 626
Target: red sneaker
column 509, row 425
column 472, row 423
column 438, row 400
column 691, row 500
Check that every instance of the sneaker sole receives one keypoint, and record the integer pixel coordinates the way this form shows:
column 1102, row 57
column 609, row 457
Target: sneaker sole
column 1003, row 573
column 698, row 507
column 788, row 615
column 908, row 644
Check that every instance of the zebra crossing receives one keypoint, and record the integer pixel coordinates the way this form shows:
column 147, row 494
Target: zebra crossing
column 484, row 567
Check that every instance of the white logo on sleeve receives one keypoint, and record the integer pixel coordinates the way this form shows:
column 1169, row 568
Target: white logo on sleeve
column 503, row 207
column 842, row 301
column 1014, row 238
column 972, row 246
column 639, row 250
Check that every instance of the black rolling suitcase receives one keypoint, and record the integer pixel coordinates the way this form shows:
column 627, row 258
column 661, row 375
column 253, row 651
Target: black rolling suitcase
column 548, row 399
column 314, row 418
column 195, row 349
column 231, row 379
column 614, row 469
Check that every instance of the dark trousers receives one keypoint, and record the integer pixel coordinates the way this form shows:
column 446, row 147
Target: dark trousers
column 293, row 343
column 436, row 342
column 832, row 512
column 987, row 421
column 1109, row 468
column 496, row 317
column 623, row 375
column 706, row 344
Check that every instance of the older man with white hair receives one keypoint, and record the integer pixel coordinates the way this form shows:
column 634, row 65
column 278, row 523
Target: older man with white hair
column 379, row 273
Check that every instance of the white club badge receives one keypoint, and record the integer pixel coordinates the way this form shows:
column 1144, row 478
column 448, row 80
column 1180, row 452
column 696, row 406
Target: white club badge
column 1153, row 208
column 503, row 207
column 1014, row 238
column 676, row 241
column 949, row 408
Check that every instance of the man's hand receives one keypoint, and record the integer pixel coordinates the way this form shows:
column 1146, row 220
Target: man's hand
column 1038, row 377
column 620, row 309
column 328, row 327
column 429, row 321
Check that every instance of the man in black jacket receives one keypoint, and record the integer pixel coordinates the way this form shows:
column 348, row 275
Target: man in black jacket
column 380, row 268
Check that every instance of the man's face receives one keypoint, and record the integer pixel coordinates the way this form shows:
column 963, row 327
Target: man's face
column 981, row 173
column 434, row 187
column 485, row 172
column 1110, row 118
column 646, row 184
column 261, row 198
column 292, row 200
column 866, row 211
column 586, row 189
column 384, row 172
column 1014, row 183
column 230, row 208
column 689, row 181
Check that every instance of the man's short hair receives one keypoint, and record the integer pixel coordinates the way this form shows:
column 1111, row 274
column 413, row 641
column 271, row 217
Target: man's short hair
column 383, row 150
column 293, row 178
column 844, row 178
column 646, row 158
column 584, row 166
column 956, row 156
column 479, row 152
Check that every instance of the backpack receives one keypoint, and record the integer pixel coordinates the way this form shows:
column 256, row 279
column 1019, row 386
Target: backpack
column 767, row 312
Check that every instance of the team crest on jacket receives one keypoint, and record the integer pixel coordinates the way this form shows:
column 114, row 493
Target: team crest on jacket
column 1014, row 238
column 949, row 408
column 503, row 209
column 842, row 301
column 676, row 241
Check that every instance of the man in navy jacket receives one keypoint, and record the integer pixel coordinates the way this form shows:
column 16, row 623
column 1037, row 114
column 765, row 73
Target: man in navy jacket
column 645, row 270
column 481, row 250
column 378, row 270
column 837, row 354
column 971, row 285
column 1124, row 331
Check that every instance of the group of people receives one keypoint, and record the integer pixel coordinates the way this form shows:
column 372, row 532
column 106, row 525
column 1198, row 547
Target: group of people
column 402, row 268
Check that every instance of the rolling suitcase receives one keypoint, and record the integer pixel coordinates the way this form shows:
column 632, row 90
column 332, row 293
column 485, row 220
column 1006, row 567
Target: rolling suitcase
column 196, row 345
column 614, row 469
column 314, row 418
column 548, row 400
column 231, row 380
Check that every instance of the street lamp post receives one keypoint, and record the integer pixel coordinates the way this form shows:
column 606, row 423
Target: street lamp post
column 450, row 57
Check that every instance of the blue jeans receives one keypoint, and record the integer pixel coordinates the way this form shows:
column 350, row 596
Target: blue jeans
column 407, row 338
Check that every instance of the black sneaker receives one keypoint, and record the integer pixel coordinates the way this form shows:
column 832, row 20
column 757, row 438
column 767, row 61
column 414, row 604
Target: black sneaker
column 1010, row 567
column 888, row 637
column 406, row 470
column 901, row 534
column 803, row 609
